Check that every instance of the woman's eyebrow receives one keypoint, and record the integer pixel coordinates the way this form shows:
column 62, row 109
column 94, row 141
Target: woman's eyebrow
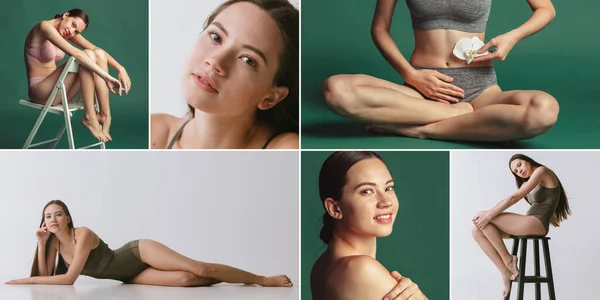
column 249, row 47
column 371, row 184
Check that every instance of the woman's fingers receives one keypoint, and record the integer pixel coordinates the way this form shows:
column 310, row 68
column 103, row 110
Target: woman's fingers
column 444, row 97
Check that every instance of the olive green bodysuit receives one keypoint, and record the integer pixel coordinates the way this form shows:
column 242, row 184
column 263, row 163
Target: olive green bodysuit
column 122, row 264
column 543, row 202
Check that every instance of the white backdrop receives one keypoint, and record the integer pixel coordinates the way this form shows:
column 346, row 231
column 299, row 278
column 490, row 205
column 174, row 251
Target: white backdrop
column 479, row 179
column 175, row 25
column 234, row 208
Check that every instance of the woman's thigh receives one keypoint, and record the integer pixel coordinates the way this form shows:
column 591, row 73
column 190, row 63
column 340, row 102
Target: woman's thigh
column 370, row 81
column 41, row 91
column 152, row 276
column 494, row 95
column 515, row 224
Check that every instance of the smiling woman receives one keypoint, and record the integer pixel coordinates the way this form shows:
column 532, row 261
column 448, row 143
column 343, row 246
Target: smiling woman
column 240, row 81
column 359, row 197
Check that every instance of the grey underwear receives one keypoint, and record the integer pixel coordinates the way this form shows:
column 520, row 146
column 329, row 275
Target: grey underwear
column 472, row 80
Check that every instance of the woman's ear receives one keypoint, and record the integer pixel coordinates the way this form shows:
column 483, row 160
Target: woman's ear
column 333, row 208
column 65, row 15
column 275, row 95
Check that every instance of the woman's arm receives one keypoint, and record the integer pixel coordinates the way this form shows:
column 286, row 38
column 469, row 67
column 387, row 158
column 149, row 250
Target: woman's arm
column 525, row 189
column 55, row 38
column 46, row 266
column 85, row 240
column 380, row 32
column 543, row 13
column 366, row 278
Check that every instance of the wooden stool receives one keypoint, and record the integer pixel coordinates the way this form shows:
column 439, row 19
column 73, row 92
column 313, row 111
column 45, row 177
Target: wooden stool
column 537, row 279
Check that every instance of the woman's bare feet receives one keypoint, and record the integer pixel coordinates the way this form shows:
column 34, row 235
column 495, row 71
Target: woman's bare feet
column 105, row 121
column 94, row 127
column 512, row 267
column 277, row 281
column 507, row 282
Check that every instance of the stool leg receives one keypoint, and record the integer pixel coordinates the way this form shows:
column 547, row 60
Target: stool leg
column 514, row 252
column 548, row 270
column 522, row 268
column 536, row 267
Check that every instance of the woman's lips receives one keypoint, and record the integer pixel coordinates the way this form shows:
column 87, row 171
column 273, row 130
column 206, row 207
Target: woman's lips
column 204, row 82
column 383, row 218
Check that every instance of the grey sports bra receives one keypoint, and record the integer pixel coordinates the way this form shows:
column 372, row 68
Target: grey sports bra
column 462, row 15
column 180, row 131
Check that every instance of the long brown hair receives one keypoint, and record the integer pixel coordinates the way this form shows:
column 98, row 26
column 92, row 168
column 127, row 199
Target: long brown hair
column 59, row 268
column 284, row 116
column 562, row 210
column 333, row 178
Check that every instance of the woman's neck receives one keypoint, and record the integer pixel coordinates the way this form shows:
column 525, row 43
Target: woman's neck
column 64, row 236
column 208, row 131
column 55, row 22
column 353, row 244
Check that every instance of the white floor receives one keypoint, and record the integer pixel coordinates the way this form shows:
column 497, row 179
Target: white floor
column 101, row 290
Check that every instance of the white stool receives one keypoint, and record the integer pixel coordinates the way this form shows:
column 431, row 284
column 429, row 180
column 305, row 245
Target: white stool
column 66, row 109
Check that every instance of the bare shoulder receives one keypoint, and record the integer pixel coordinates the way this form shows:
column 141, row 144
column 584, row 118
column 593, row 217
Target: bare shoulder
column 86, row 235
column 162, row 128
column 364, row 278
column 288, row 140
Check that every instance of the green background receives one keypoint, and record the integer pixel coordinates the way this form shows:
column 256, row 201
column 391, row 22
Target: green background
column 561, row 59
column 118, row 27
column 418, row 248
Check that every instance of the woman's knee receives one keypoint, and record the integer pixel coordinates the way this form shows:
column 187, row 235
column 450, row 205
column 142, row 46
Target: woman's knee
column 186, row 279
column 477, row 234
column 100, row 55
column 542, row 113
column 206, row 270
column 90, row 54
column 339, row 93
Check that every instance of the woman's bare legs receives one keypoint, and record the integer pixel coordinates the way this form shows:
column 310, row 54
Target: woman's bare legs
column 497, row 116
column 373, row 100
column 90, row 119
column 501, row 226
column 74, row 82
column 104, row 117
column 492, row 253
column 161, row 257
column 152, row 276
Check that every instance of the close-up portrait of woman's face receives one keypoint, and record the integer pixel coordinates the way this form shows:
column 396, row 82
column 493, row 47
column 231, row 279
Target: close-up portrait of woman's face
column 70, row 26
column 521, row 168
column 369, row 203
column 232, row 66
column 55, row 218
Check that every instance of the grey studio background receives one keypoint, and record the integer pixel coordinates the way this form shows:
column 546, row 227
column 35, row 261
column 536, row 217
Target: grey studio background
column 480, row 179
column 175, row 26
column 234, row 208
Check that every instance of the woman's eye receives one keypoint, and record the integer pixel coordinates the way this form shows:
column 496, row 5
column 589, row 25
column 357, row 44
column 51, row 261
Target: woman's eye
column 215, row 37
column 390, row 189
column 367, row 192
column 249, row 61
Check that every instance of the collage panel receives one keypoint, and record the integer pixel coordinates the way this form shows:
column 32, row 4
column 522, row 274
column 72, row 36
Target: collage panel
column 110, row 38
column 160, row 220
column 402, row 75
column 489, row 213
column 225, row 74
column 370, row 221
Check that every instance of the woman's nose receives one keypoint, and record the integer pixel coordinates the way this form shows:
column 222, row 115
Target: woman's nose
column 216, row 61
